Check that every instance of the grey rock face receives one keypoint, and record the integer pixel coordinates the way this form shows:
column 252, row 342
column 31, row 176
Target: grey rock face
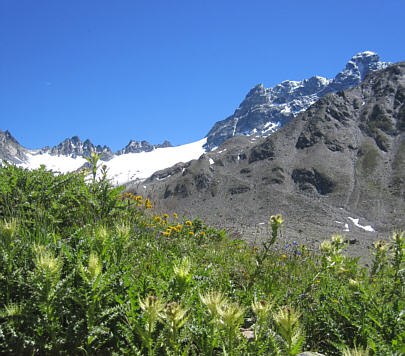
column 141, row 146
column 264, row 110
column 357, row 69
column 74, row 147
column 10, row 149
column 342, row 158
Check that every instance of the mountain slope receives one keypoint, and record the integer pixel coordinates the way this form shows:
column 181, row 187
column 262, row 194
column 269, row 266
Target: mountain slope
column 266, row 109
column 342, row 159
column 10, row 149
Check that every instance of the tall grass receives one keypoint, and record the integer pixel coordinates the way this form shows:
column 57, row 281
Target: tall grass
column 87, row 270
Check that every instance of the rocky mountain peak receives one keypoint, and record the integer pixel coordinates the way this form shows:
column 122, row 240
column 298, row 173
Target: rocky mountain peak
column 141, row 146
column 74, row 147
column 256, row 90
column 265, row 109
column 76, row 140
column 357, row 68
column 6, row 136
column 10, row 149
column 367, row 61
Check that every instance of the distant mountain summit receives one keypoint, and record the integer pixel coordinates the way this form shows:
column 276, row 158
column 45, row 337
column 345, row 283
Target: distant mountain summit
column 142, row 146
column 264, row 110
column 74, row 147
column 10, row 149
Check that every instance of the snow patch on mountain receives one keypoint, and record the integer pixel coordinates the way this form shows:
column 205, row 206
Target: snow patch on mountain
column 56, row 163
column 124, row 167
column 139, row 166
column 368, row 228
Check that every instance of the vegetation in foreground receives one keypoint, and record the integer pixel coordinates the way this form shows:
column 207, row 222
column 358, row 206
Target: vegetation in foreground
column 85, row 270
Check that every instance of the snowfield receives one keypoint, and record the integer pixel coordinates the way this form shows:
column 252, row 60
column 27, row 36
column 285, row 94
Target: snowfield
column 126, row 167
column 131, row 166
column 62, row 164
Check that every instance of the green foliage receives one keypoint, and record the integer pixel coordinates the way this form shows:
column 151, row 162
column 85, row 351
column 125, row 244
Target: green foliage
column 46, row 203
column 87, row 270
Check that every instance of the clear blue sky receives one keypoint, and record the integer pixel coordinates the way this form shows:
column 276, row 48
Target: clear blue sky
column 117, row 70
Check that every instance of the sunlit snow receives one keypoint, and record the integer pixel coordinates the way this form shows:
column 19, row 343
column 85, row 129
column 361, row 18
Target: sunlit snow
column 323, row 80
column 356, row 223
column 131, row 166
column 126, row 167
column 270, row 127
column 62, row 164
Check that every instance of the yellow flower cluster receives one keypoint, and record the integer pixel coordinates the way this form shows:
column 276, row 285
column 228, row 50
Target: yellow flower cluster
column 162, row 220
column 129, row 198
column 171, row 227
column 148, row 204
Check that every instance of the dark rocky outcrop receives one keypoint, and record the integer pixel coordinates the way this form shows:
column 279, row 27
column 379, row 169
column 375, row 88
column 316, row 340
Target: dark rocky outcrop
column 312, row 180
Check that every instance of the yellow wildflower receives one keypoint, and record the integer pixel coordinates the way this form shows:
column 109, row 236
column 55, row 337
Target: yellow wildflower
column 148, row 204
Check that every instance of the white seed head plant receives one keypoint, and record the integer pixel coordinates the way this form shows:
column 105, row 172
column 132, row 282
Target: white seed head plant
column 94, row 267
column 46, row 262
column 214, row 301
